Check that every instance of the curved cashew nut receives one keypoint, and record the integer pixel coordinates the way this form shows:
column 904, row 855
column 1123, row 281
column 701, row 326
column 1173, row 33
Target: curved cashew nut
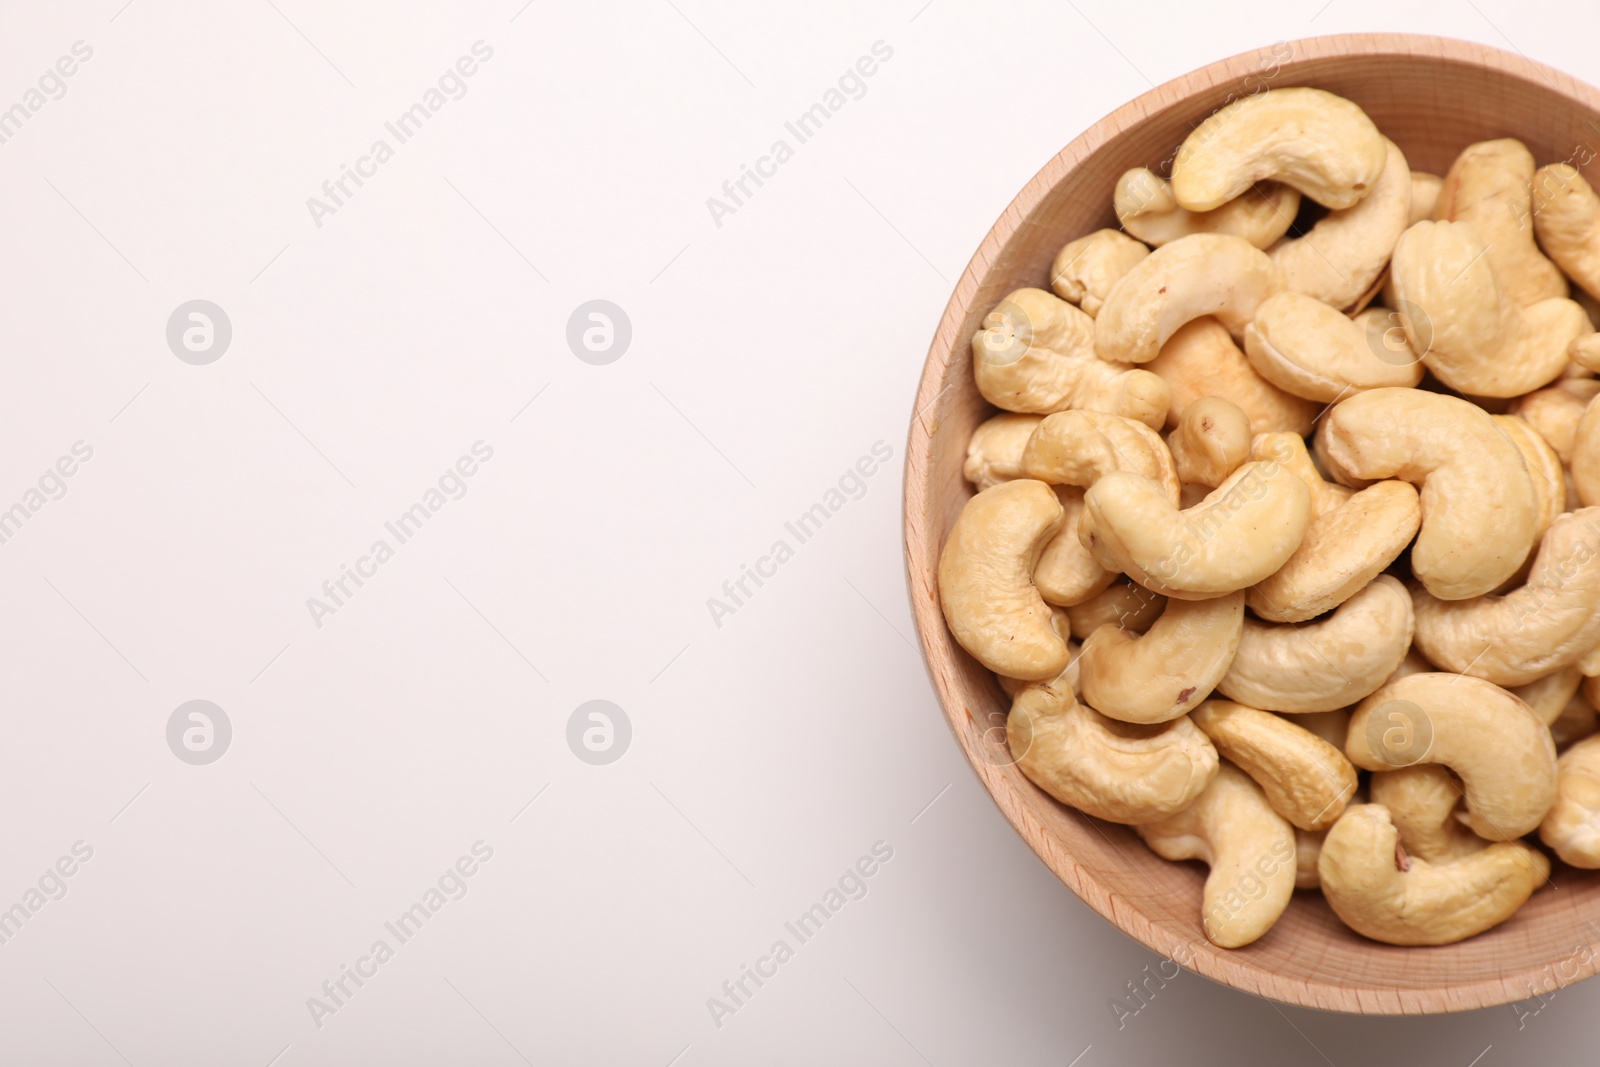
column 1472, row 479
column 1543, row 626
column 1243, row 531
column 1423, row 801
column 1585, row 461
column 1345, row 253
column 1306, row 780
column 1382, row 893
column 1211, row 441
column 1202, row 274
column 1549, row 696
column 1544, row 467
column 1312, row 140
column 1122, row 603
column 1566, row 219
column 1170, row 668
column 1202, row 360
column 1067, row 573
column 1425, row 189
column 1467, row 328
column 1327, row 664
column 994, row 454
column 1249, row 847
column 1573, row 826
column 1086, row 269
column 1307, row 348
column 1147, row 209
column 1498, row 748
column 986, row 580
column 1081, row 447
column 1035, row 353
column 1490, row 186
column 1107, row 769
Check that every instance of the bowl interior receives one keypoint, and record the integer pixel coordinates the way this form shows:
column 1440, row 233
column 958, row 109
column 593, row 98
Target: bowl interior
column 1431, row 96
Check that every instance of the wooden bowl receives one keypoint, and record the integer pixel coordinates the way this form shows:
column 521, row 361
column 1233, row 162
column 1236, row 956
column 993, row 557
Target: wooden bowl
column 1432, row 96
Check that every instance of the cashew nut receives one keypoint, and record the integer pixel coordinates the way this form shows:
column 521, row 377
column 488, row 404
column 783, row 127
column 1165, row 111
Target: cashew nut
column 1470, row 331
column 1573, row 826
column 1086, row 269
column 1326, row 664
column 1338, row 261
column 1306, row 780
column 1130, row 606
column 1382, row 893
column 1425, row 189
column 1544, row 467
column 1066, row 572
column 1423, row 802
column 1035, row 353
column 1555, row 411
column 1211, row 441
column 1490, row 186
column 1111, row 770
column 1202, row 360
column 986, row 580
column 1249, row 847
column 1585, row 461
column 1472, row 480
column 1566, row 220
column 1081, row 447
column 994, row 454
column 1289, row 449
column 1069, row 677
column 1307, row 348
column 1549, row 696
column 1147, row 209
column 1498, row 748
column 1312, row 140
column 1168, row 670
column 1202, row 274
column 1541, row 627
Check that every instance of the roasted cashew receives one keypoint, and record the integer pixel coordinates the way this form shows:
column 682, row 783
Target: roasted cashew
column 1067, row 573
column 1341, row 257
column 1243, row 531
column 1132, row 607
column 1382, row 893
column 1566, row 219
column 1544, row 467
column 1423, row 802
column 1320, row 666
column 1306, row 780
column 1202, row 274
column 1202, row 360
column 1472, row 480
column 1147, row 209
column 1498, row 748
column 1249, row 847
column 1425, row 189
column 1086, row 269
column 994, row 454
column 1036, row 354
column 1211, row 441
column 1549, row 696
column 1490, row 186
column 1312, row 140
column 986, row 580
column 1543, row 626
column 1111, row 770
column 1573, row 826
column 1468, row 329
column 1168, row 670
column 1307, row 348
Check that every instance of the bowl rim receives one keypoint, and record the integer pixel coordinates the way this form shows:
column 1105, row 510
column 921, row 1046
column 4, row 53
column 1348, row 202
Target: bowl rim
column 921, row 560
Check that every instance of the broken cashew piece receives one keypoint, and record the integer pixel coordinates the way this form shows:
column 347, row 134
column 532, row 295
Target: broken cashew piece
column 1249, row 847
column 1490, row 186
column 1307, row 348
column 1201, row 359
column 1492, row 741
column 1566, row 219
column 1382, row 893
column 986, row 580
column 1573, row 826
column 1316, row 142
column 1306, row 780
column 1168, row 670
column 1423, row 801
column 1202, row 274
column 1323, row 665
column 1211, row 441
column 994, row 454
column 1132, row 607
column 1086, row 269
column 1466, row 326
column 1107, row 769
column 1035, row 354
column 1147, row 209
column 1471, row 476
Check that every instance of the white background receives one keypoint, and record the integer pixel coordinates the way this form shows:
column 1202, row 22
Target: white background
column 768, row 355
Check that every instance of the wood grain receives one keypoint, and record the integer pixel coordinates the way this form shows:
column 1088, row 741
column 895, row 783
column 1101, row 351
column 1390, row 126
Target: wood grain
column 1432, row 96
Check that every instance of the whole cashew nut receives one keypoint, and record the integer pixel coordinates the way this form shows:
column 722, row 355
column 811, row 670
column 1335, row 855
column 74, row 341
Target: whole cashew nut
column 1468, row 329
column 1307, row 348
column 1312, row 140
column 1202, row 360
column 1573, row 826
column 1425, row 189
column 1132, row 607
column 1320, row 666
column 1081, row 447
column 1541, row 627
column 1382, row 893
column 994, row 454
column 986, row 580
column 1345, row 253
column 1249, row 847
column 1086, row 269
column 1306, row 780
column 1170, row 668
column 1566, row 219
column 1211, row 442
column 1472, row 479
column 1035, row 353
column 1423, row 802
column 1107, row 769
column 1497, row 747
column 1147, row 209
column 1490, row 186
column 1202, row 274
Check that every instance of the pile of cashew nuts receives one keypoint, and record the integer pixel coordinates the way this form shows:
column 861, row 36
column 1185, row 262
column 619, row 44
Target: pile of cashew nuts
column 1338, row 622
